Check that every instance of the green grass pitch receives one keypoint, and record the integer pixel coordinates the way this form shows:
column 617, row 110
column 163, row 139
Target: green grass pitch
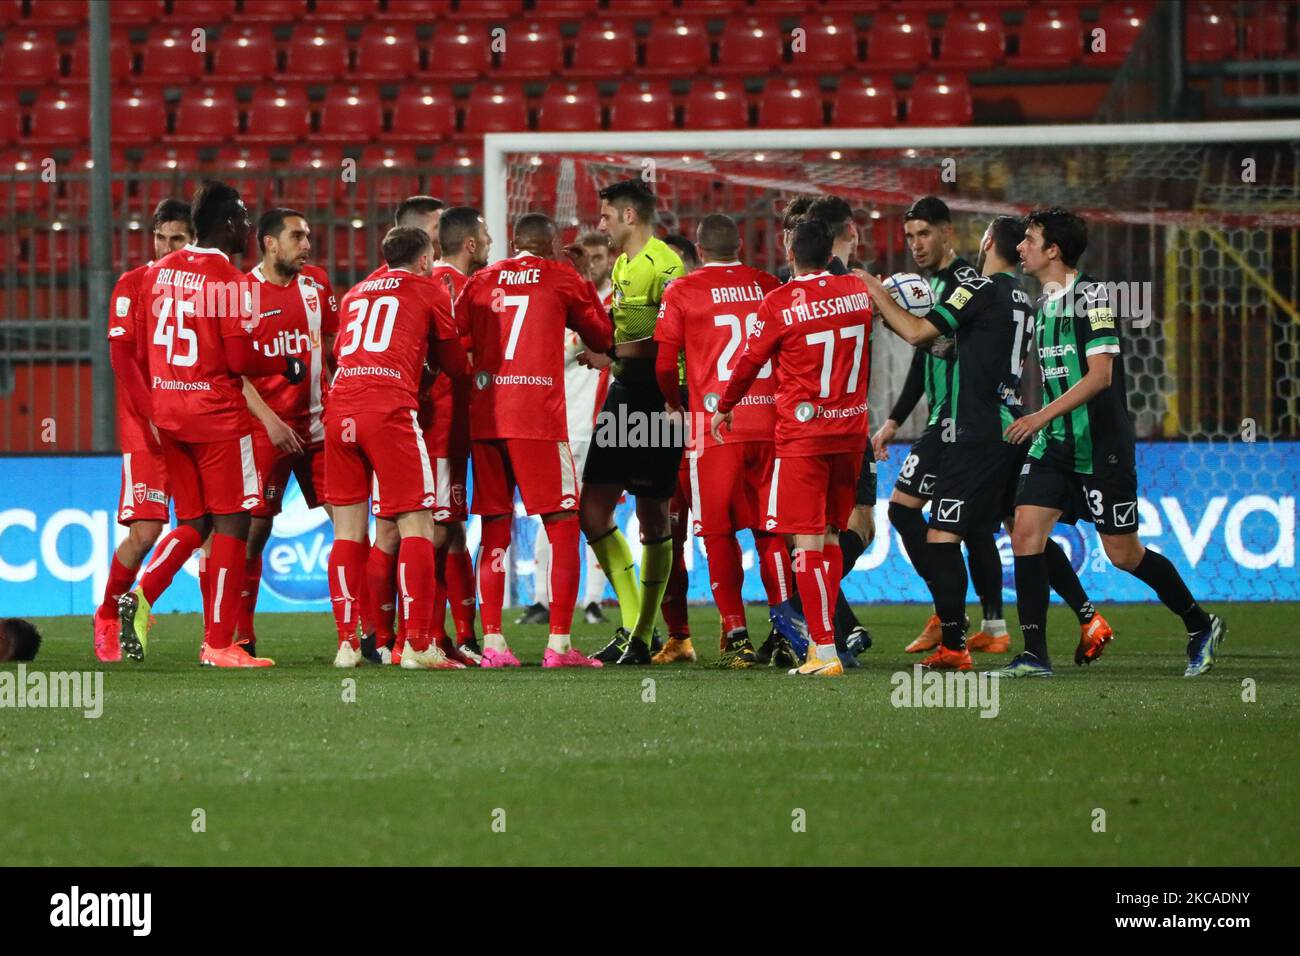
column 580, row 768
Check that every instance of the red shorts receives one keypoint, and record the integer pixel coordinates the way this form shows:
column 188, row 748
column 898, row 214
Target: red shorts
column 212, row 478
column 541, row 469
column 450, row 503
column 811, row 492
column 275, row 467
column 680, row 505
column 730, row 486
column 144, row 487
column 381, row 456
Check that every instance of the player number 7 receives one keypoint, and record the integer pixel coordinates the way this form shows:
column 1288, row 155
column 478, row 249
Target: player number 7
column 826, row 339
column 520, row 304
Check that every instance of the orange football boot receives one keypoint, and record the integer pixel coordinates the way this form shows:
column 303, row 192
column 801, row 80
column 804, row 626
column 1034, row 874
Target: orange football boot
column 948, row 660
column 232, row 656
column 928, row 639
column 1093, row 638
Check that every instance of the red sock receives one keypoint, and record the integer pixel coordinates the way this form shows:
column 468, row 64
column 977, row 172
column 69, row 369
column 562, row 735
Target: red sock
column 120, row 579
column 566, row 568
column 810, row 573
column 774, row 567
column 364, row 605
column 226, row 572
column 415, row 584
column 205, row 594
column 834, row 571
column 346, row 569
column 460, row 593
column 168, row 557
column 380, row 594
column 492, row 572
column 726, row 578
column 673, row 605
column 248, row 599
column 438, row 618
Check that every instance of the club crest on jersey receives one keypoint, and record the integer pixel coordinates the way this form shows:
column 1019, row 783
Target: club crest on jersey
column 482, row 380
column 138, row 491
column 711, row 401
column 458, row 494
column 805, row 411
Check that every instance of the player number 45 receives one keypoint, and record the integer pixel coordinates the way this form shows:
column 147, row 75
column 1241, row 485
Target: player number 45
column 171, row 338
column 826, row 339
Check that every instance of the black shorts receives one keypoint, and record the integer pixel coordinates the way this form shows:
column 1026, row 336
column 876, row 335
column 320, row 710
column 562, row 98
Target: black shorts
column 976, row 485
column 921, row 466
column 633, row 445
column 1107, row 499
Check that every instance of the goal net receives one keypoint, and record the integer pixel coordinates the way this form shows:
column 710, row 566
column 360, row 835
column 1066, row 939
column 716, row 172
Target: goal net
column 1193, row 226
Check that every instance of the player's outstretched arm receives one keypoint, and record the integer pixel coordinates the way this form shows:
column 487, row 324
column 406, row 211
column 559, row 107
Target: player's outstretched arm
column 1096, row 381
column 902, row 323
column 243, row 358
column 449, row 355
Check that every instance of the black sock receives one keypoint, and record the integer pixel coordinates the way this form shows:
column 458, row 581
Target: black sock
column 1031, row 602
column 852, row 546
column 986, row 573
column 845, row 620
column 910, row 525
column 949, row 588
column 1066, row 583
column 1159, row 573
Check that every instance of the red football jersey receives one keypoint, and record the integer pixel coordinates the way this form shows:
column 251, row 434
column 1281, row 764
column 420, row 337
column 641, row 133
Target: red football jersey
column 293, row 320
column 131, row 426
column 190, row 300
column 390, row 325
column 818, row 327
column 448, row 434
column 710, row 312
column 517, row 310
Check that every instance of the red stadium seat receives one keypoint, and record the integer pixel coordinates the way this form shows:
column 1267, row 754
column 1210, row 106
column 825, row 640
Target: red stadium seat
column 270, row 11
column 168, row 57
column 713, row 8
column 11, row 11
column 502, row 11
column 716, row 104
column 244, row 53
column 603, row 49
column 209, row 115
column 780, row 8
column 242, row 159
column 205, row 12
column 29, row 58
column 899, row 40
column 1122, row 24
column 387, row 51
column 183, row 166
column 322, row 183
column 423, row 114
column 565, row 9
column 863, row 101
column 136, row 12
column 280, row 115
column 459, row 51
column 496, row 108
column 1211, row 32
column 351, row 115
column 790, row 103
column 316, row 52
column 646, row 105
column 139, row 117
column 120, row 57
column 422, row 10
column 11, row 120
column 57, row 13
column 76, row 195
column 392, row 175
column 61, row 117
column 971, row 39
column 1050, row 36
column 1267, row 31
column 569, row 107
column 676, row 46
column 829, row 45
column 349, row 11
column 939, row 99
column 750, row 45
column 28, row 188
column 535, row 50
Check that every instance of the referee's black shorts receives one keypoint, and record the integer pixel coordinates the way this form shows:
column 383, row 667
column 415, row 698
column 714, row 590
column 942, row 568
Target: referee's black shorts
column 642, row 458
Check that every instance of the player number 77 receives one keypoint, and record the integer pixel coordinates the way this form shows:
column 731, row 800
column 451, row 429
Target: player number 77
column 826, row 339
column 164, row 335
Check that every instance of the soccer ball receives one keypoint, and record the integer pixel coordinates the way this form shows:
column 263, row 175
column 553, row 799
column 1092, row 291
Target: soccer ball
column 911, row 292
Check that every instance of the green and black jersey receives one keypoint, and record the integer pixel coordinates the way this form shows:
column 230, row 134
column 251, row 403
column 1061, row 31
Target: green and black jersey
column 992, row 321
column 929, row 374
column 1072, row 325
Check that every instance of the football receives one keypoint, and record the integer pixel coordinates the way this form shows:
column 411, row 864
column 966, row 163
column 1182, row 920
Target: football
column 911, row 292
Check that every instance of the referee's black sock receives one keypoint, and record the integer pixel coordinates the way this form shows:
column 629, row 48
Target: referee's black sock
column 986, row 573
column 1162, row 577
column 1032, row 595
column 852, row 547
column 1066, row 583
column 910, row 525
column 949, row 587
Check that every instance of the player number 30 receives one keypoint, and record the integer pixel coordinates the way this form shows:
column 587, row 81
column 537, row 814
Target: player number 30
column 377, row 317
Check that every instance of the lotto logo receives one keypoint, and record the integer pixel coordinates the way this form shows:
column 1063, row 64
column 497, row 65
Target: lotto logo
column 126, row 514
column 950, row 509
column 567, row 503
column 441, row 515
column 1125, row 513
column 769, row 524
column 695, row 527
column 248, row 504
column 426, row 501
column 138, row 491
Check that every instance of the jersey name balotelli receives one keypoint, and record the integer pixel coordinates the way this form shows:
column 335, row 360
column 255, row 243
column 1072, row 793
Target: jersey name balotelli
column 389, row 325
column 710, row 313
column 516, row 311
column 292, row 320
column 819, row 328
column 189, row 301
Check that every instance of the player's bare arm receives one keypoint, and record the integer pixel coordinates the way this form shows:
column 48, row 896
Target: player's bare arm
column 1096, row 381
column 282, row 436
column 883, row 436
